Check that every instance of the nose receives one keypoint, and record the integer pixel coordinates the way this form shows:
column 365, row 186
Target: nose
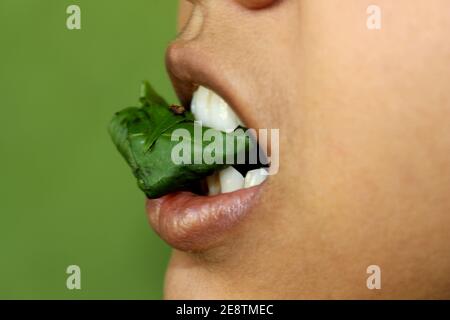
column 256, row 4
column 250, row 4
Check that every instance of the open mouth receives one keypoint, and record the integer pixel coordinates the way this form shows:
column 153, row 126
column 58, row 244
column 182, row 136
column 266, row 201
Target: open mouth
column 195, row 205
column 198, row 219
column 209, row 108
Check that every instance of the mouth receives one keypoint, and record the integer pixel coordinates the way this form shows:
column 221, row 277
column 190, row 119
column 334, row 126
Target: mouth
column 200, row 219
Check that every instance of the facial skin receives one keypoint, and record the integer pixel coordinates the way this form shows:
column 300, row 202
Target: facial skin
column 364, row 119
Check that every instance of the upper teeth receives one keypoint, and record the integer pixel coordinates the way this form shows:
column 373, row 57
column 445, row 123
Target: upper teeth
column 214, row 112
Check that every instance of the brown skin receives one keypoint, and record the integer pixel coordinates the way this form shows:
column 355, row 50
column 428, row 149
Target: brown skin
column 364, row 178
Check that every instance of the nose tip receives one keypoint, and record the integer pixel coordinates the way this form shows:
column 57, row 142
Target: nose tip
column 178, row 65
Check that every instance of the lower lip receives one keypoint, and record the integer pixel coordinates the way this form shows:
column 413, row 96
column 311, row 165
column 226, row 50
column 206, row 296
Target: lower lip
column 191, row 222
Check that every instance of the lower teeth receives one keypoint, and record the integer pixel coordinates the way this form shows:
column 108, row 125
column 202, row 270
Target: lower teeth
column 230, row 179
column 213, row 182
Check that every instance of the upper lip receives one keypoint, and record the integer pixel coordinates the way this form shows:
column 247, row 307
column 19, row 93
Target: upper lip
column 190, row 66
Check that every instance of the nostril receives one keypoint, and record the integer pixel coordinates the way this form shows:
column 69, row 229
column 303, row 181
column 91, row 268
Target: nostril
column 256, row 4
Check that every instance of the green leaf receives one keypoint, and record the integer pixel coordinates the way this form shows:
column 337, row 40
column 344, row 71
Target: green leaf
column 149, row 96
column 144, row 138
column 161, row 118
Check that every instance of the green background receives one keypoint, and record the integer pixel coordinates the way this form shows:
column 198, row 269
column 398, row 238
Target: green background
column 66, row 196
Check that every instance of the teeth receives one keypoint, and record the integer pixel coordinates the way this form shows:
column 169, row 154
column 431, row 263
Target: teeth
column 255, row 177
column 230, row 180
column 213, row 184
column 213, row 111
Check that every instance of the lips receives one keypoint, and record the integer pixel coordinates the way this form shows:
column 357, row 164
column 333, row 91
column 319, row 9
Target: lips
column 192, row 222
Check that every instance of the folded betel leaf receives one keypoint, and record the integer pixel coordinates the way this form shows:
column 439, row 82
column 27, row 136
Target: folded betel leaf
column 149, row 96
column 161, row 116
column 154, row 137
